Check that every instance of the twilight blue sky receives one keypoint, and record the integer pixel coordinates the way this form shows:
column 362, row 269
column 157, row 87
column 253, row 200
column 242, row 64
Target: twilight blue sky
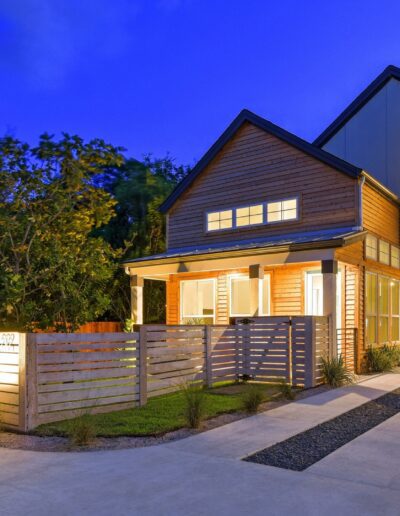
column 170, row 75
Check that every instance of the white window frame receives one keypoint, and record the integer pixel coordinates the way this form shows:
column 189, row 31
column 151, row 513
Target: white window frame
column 282, row 221
column 267, row 277
column 200, row 316
column 251, row 224
column 308, row 274
column 367, row 254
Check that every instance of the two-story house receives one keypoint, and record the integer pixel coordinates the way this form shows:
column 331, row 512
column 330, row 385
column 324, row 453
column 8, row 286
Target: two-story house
column 269, row 224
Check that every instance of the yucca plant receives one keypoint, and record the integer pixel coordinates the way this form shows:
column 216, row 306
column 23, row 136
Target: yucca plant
column 252, row 398
column 380, row 360
column 82, row 430
column 195, row 404
column 335, row 373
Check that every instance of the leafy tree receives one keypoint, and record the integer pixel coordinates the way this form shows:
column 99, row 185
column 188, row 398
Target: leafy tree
column 54, row 271
column 139, row 188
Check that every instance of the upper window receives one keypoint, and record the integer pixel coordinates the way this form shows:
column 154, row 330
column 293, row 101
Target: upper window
column 371, row 247
column 282, row 210
column 249, row 215
column 384, row 252
column 219, row 220
column 395, row 256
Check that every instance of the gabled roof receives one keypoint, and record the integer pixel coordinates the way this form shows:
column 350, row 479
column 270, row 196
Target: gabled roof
column 247, row 116
column 326, row 238
column 391, row 72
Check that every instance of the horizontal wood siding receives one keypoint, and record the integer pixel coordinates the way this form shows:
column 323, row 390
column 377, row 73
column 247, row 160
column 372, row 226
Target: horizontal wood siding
column 380, row 215
column 256, row 167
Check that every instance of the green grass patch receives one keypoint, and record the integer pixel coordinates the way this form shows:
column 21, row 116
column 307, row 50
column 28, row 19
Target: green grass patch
column 161, row 414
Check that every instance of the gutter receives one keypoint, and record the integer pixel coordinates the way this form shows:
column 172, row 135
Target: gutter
column 360, row 202
column 379, row 186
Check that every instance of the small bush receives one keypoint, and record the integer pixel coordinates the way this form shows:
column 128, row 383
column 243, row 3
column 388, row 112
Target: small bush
column 252, row 398
column 195, row 404
column 82, row 430
column 380, row 360
column 286, row 390
column 335, row 373
column 393, row 352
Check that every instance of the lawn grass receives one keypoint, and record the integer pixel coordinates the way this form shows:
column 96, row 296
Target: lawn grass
column 161, row 414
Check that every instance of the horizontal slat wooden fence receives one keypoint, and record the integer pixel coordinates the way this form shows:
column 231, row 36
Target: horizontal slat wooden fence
column 55, row 376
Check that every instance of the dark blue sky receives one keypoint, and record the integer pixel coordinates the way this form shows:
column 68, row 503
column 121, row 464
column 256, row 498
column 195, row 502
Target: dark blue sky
column 169, row 75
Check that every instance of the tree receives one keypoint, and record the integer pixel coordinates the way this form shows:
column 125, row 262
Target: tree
column 139, row 188
column 54, row 270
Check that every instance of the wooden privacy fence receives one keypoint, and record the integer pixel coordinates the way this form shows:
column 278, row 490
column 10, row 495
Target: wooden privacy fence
column 50, row 377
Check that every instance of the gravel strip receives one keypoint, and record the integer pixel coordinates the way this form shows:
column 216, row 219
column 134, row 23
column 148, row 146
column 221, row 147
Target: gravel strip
column 302, row 450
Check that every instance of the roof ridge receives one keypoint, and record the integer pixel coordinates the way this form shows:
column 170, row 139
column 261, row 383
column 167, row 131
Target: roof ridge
column 391, row 71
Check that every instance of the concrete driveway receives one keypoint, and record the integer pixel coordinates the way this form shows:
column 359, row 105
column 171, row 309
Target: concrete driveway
column 203, row 475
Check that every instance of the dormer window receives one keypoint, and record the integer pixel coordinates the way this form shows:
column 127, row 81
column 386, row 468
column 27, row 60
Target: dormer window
column 219, row 220
column 249, row 215
column 282, row 210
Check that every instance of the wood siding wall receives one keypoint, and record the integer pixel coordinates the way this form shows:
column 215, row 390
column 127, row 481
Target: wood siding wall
column 287, row 291
column 255, row 167
column 380, row 215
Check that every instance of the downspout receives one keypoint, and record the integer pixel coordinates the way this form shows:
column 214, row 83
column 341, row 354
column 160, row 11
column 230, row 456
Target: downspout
column 360, row 203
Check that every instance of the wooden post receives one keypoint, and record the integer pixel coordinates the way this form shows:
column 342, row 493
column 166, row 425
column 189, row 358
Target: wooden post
column 290, row 351
column 329, row 275
column 31, row 400
column 22, row 406
column 208, row 357
column 256, row 275
column 310, row 350
column 137, row 299
column 142, row 366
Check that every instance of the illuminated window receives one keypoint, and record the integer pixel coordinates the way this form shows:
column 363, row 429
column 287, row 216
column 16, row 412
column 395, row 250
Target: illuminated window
column 384, row 252
column 394, row 257
column 314, row 293
column 219, row 220
column 371, row 247
column 383, row 309
column 371, row 310
column 282, row 210
column 395, row 302
column 197, row 301
column 249, row 215
column 240, row 296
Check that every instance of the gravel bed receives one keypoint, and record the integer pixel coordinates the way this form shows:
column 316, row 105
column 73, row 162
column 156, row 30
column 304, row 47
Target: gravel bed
column 302, row 450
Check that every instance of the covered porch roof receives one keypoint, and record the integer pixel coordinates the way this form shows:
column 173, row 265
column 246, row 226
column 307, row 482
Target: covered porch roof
column 287, row 248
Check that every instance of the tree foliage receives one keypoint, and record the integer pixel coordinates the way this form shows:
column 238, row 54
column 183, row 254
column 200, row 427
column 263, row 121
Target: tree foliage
column 54, row 270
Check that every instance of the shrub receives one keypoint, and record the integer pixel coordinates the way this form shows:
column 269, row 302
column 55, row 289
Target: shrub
column 335, row 373
column 195, row 404
column 82, row 430
column 393, row 352
column 252, row 398
column 286, row 390
column 380, row 360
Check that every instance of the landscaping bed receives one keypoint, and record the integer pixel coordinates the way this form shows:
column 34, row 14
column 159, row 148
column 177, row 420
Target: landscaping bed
column 306, row 448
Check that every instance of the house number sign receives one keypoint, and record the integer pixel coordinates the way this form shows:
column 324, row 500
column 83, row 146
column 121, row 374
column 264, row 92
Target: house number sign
column 9, row 341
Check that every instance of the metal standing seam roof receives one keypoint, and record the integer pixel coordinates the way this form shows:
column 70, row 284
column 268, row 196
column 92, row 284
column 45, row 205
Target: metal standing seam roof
column 310, row 237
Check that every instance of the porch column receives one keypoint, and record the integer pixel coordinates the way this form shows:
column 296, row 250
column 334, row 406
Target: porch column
column 137, row 299
column 256, row 275
column 329, row 279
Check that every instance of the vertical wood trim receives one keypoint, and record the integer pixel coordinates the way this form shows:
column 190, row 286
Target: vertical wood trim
column 290, row 351
column 142, row 366
column 22, row 406
column 310, row 348
column 31, row 382
column 208, row 354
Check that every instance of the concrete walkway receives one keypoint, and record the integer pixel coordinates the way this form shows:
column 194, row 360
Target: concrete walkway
column 202, row 475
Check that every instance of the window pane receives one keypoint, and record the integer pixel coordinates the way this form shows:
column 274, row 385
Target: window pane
column 274, row 216
column 219, row 220
column 256, row 210
column 384, row 252
column 383, row 329
column 395, row 257
column 197, row 298
column 370, row 293
column 314, row 293
column 226, row 223
column 291, row 204
column 240, row 296
column 383, row 296
column 395, row 328
column 289, row 214
column 394, row 286
column 212, row 226
column 212, row 217
column 242, row 216
column 371, row 247
column 371, row 330
column 266, row 309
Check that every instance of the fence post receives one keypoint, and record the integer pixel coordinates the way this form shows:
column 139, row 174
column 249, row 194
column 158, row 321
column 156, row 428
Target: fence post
column 290, row 351
column 31, row 388
column 310, row 351
column 208, row 349
column 142, row 366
